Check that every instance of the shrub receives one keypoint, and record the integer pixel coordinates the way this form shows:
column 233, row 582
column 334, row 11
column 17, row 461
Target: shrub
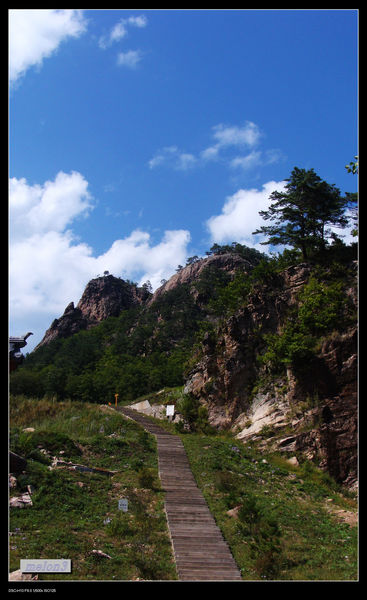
column 120, row 526
column 146, row 478
column 319, row 311
column 256, row 522
column 224, row 481
column 188, row 408
column 321, row 306
column 249, row 515
column 28, row 444
column 195, row 415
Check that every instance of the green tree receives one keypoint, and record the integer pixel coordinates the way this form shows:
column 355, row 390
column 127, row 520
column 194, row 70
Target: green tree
column 302, row 213
column 353, row 166
column 322, row 307
column 352, row 199
column 147, row 289
column 27, row 382
column 54, row 381
column 192, row 259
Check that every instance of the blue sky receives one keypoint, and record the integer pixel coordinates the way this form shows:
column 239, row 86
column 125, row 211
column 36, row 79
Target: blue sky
column 138, row 138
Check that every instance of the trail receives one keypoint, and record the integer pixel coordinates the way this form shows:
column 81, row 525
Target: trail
column 200, row 551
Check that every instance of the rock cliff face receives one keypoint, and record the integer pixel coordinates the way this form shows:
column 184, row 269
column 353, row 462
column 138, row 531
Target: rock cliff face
column 103, row 297
column 230, row 263
column 228, row 369
column 333, row 441
column 107, row 296
column 314, row 414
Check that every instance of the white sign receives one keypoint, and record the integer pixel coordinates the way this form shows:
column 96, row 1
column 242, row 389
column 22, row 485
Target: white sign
column 170, row 410
column 123, row 504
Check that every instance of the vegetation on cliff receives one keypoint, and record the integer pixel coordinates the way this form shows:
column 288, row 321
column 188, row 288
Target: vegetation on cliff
column 147, row 345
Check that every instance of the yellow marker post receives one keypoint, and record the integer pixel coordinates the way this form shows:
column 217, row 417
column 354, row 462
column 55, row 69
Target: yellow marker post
column 116, row 398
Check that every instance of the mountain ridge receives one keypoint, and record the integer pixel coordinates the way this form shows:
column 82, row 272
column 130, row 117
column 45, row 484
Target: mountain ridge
column 103, row 297
column 107, row 296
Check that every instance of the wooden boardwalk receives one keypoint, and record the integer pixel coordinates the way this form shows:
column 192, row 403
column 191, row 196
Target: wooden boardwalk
column 200, row 552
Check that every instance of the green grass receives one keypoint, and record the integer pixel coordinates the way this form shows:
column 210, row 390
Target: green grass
column 282, row 530
column 164, row 396
column 75, row 512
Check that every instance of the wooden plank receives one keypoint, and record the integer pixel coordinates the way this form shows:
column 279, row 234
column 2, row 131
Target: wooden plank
column 199, row 549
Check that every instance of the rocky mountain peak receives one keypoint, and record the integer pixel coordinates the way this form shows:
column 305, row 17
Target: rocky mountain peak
column 229, row 263
column 103, row 297
column 106, row 297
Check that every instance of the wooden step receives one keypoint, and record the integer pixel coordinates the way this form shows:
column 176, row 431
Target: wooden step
column 200, row 551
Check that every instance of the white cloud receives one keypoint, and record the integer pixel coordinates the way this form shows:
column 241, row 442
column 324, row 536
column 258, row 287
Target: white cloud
column 139, row 21
column 136, row 257
column 174, row 158
column 210, row 153
column 247, row 162
column 35, row 34
column 120, row 30
column 227, row 136
column 233, row 135
column 129, row 59
column 49, row 267
column 274, row 156
column 240, row 216
column 165, row 155
column 37, row 209
column 185, row 161
column 256, row 158
column 229, row 139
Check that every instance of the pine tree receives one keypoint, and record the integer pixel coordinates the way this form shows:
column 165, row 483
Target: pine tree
column 302, row 213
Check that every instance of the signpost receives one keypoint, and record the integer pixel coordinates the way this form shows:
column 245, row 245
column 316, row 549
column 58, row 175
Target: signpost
column 170, row 411
column 123, row 504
